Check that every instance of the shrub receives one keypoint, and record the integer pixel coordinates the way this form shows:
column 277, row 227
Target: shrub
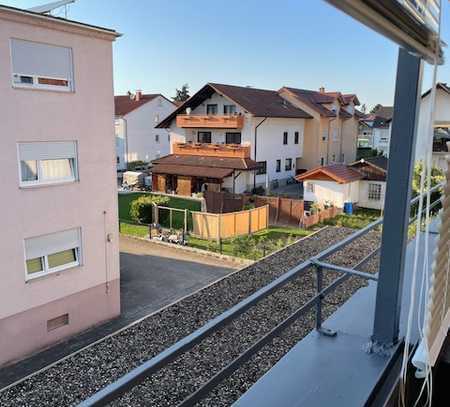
column 141, row 209
column 258, row 190
column 133, row 165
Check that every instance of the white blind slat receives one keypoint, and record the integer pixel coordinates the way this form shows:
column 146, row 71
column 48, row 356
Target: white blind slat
column 33, row 58
column 47, row 150
column 52, row 243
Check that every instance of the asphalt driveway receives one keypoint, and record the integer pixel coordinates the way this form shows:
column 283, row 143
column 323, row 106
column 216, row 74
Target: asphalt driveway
column 152, row 276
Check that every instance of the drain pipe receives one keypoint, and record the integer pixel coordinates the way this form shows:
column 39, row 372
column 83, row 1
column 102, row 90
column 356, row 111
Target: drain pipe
column 329, row 137
column 255, row 149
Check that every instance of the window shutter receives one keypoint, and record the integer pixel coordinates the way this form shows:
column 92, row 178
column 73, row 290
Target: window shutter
column 52, row 243
column 33, row 58
column 47, row 150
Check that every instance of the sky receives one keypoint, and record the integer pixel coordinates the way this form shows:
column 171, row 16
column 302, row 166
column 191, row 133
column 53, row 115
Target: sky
column 261, row 43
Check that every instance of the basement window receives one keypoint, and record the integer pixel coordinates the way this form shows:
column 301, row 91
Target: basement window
column 41, row 66
column 57, row 322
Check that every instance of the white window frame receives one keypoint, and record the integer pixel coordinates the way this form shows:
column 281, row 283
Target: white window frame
column 310, row 187
column 39, row 182
column 370, row 194
column 48, row 270
column 37, row 85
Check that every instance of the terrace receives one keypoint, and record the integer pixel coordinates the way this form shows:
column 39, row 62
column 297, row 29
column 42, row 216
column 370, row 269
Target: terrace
column 210, row 121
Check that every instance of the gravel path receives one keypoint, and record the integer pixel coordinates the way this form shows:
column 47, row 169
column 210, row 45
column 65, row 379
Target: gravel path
column 78, row 377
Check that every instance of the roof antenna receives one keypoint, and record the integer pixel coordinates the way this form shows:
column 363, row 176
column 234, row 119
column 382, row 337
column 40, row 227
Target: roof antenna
column 49, row 7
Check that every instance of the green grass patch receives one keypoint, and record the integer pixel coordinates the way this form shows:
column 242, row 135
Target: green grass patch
column 359, row 219
column 133, row 230
column 174, row 202
column 253, row 246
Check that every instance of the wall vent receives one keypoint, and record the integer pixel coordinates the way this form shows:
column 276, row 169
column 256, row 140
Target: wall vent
column 57, row 322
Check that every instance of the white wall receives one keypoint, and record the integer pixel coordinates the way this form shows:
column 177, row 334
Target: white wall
column 270, row 146
column 331, row 191
column 242, row 182
column 442, row 117
column 381, row 139
column 364, row 201
column 119, row 131
column 140, row 133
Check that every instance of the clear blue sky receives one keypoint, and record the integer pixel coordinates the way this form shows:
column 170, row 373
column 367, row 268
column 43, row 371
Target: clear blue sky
column 262, row 43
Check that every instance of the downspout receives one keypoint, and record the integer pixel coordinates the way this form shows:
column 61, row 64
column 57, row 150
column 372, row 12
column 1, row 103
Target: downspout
column 329, row 137
column 255, row 149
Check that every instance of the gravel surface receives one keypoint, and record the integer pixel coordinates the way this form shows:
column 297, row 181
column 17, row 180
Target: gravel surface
column 74, row 379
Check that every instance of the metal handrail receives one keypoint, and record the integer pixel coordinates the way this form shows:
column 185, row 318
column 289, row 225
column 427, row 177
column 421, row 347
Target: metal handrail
column 138, row 374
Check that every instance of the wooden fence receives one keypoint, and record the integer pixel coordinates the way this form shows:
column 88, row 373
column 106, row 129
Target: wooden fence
column 217, row 226
column 223, row 202
column 286, row 211
column 320, row 216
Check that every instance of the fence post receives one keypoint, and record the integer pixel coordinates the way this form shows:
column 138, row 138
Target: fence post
column 319, row 284
column 170, row 218
column 185, row 221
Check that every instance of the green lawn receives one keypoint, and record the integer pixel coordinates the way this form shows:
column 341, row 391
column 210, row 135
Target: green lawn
column 360, row 218
column 133, row 230
column 253, row 246
column 174, row 202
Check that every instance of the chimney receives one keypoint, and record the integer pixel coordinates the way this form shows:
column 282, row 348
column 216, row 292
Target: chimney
column 138, row 95
column 322, row 89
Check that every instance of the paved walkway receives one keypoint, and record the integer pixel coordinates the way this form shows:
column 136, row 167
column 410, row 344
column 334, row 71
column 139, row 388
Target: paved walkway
column 152, row 276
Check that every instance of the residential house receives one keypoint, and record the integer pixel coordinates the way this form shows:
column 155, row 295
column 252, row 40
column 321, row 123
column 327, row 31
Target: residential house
column 136, row 137
column 331, row 136
column 362, row 183
column 284, row 133
column 441, row 126
column 59, row 235
column 374, row 130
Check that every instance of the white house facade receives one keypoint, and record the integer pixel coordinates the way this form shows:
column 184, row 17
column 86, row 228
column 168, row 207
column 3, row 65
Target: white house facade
column 137, row 139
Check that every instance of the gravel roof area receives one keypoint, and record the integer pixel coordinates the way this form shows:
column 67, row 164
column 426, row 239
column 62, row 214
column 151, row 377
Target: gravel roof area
column 77, row 377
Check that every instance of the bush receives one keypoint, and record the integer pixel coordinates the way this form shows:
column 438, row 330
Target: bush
column 258, row 190
column 141, row 209
column 133, row 165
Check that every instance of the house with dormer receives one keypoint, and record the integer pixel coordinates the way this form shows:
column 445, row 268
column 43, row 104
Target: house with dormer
column 279, row 133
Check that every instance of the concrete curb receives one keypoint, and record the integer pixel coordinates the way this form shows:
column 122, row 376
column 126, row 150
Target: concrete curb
column 238, row 260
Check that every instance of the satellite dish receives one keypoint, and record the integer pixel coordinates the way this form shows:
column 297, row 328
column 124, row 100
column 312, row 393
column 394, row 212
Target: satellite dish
column 49, row 7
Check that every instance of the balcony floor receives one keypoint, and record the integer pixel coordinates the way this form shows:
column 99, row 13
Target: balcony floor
column 322, row 371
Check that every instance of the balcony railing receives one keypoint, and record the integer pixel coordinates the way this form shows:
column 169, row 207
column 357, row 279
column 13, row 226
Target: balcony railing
column 212, row 150
column 318, row 262
column 210, row 121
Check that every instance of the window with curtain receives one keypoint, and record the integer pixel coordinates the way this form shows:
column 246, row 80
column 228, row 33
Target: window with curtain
column 52, row 253
column 47, row 162
column 41, row 66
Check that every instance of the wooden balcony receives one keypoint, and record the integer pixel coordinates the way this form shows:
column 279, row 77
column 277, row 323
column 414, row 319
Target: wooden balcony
column 212, row 150
column 210, row 122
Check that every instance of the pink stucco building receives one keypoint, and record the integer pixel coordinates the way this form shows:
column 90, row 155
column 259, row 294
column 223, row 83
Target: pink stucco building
column 59, row 258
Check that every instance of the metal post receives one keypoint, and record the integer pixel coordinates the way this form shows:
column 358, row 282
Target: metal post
column 397, row 203
column 319, row 288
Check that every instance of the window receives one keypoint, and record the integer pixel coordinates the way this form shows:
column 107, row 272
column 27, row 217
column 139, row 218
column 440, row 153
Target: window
column 288, row 164
column 118, row 160
column 233, row 138
column 374, row 192
column 47, row 162
column 41, row 66
column 324, row 135
column 296, row 137
column 278, row 166
column 157, row 138
column 156, row 118
column 262, row 168
column 229, row 109
column 204, row 137
column 310, row 187
column 211, row 109
column 285, row 137
column 322, row 161
column 52, row 253
column 334, row 158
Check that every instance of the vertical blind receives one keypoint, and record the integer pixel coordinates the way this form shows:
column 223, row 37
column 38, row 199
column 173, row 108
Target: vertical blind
column 438, row 307
column 33, row 58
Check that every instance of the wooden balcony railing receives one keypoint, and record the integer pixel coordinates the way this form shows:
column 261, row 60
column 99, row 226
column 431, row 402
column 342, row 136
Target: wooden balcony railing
column 212, row 121
column 212, row 150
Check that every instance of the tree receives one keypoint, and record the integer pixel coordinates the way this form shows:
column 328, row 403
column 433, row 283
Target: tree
column 437, row 177
column 181, row 94
column 376, row 108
